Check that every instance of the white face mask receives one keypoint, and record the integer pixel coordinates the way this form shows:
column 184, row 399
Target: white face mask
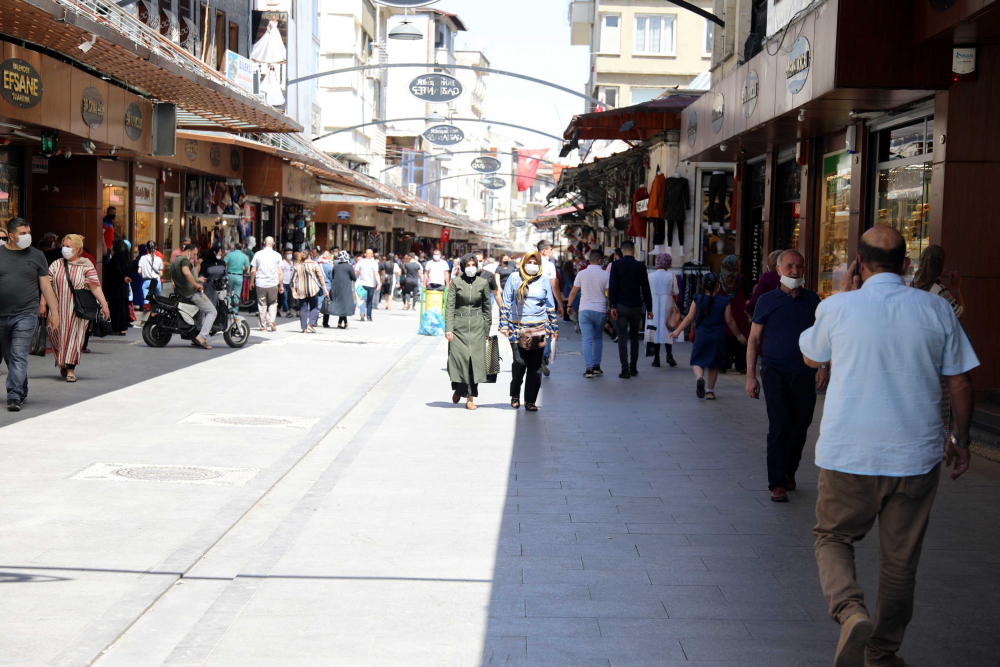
column 437, row 258
column 288, row 257
column 792, row 283
column 531, row 269
column 68, row 252
column 23, row 241
column 470, row 271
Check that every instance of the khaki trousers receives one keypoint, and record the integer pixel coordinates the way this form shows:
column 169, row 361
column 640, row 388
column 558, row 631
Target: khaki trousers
column 267, row 305
column 845, row 511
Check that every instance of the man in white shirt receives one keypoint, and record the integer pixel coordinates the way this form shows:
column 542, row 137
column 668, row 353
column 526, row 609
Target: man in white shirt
column 368, row 277
column 592, row 286
column 436, row 273
column 265, row 276
column 879, row 448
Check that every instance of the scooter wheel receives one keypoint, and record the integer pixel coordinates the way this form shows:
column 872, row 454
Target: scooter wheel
column 237, row 335
column 154, row 336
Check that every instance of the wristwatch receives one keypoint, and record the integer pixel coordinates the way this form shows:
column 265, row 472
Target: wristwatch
column 960, row 445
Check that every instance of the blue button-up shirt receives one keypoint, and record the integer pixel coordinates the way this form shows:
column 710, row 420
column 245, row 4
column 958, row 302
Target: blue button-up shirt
column 888, row 345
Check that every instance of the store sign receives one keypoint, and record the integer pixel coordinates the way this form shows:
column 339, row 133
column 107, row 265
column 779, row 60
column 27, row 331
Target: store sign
column 963, row 60
column 641, row 206
column 239, row 70
column 692, row 130
column 22, row 84
column 191, row 149
column 215, row 154
column 797, row 69
column 39, row 164
column 751, row 86
column 92, row 107
column 234, row 159
column 718, row 112
column 133, row 121
column 344, row 215
column 519, row 223
column 486, row 165
column 144, row 194
column 436, row 88
column 444, row 135
column 493, row 183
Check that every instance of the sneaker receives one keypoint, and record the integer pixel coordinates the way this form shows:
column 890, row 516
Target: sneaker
column 854, row 635
column 545, row 370
column 700, row 390
column 13, row 406
column 589, row 373
column 633, row 370
column 598, row 371
column 624, row 374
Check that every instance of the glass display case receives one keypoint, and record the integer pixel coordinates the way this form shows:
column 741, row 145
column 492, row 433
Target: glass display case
column 833, row 225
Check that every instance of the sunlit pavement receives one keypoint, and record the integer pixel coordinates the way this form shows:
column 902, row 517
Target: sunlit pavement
column 318, row 500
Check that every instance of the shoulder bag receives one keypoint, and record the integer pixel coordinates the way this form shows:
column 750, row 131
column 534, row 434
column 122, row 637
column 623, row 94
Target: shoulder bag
column 85, row 304
column 533, row 337
column 101, row 327
column 154, row 282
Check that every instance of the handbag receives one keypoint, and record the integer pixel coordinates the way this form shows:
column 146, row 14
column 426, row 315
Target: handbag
column 84, row 302
column 492, row 359
column 154, row 283
column 39, row 339
column 326, row 307
column 673, row 317
column 533, row 337
column 100, row 328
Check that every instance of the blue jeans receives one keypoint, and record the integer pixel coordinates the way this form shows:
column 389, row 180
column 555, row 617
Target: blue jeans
column 592, row 326
column 15, row 341
column 369, row 300
column 309, row 310
column 284, row 299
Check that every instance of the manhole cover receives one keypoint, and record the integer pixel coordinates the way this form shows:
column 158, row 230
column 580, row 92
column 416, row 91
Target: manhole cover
column 251, row 421
column 168, row 474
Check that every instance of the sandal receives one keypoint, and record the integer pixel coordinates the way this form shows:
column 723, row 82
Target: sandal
column 201, row 344
column 469, row 405
column 709, row 395
column 515, row 403
column 63, row 371
column 70, row 378
column 531, row 407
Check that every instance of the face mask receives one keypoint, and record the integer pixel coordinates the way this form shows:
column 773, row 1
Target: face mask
column 288, row 257
column 68, row 252
column 112, row 216
column 531, row 269
column 792, row 283
column 437, row 258
column 23, row 241
column 470, row 271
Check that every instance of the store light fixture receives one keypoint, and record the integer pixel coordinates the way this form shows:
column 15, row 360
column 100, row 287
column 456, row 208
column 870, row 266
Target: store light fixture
column 406, row 31
column 112, row 150
column 13, row 126
column 89, row 147
column 87, row 46
column 436, row 117
column 25, row 135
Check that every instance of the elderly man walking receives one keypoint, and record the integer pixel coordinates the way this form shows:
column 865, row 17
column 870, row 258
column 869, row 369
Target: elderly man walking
column 265, row 277
column 789, row 385
column 880, row 443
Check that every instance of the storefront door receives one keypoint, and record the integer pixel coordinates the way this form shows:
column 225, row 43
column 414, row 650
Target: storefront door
column 10, row 185
column 144, row 200
column 788, row 214
column 834, row 221
column 115, row 193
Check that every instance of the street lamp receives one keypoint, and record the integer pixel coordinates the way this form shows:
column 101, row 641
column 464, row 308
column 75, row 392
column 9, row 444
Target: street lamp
column 436, row 117
column 406, row 31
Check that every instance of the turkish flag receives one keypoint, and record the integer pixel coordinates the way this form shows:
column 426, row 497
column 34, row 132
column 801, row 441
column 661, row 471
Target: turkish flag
column 445, row 235
column 527, row 168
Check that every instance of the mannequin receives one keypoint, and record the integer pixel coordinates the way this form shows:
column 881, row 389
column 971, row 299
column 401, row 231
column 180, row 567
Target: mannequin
column 657, row 193
column 677, row 201
column 718, row 186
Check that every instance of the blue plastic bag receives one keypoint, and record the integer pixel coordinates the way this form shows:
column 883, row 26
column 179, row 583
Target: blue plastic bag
column 431, row 324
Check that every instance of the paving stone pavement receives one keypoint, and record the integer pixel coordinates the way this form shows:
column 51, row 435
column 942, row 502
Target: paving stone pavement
column 625, row 523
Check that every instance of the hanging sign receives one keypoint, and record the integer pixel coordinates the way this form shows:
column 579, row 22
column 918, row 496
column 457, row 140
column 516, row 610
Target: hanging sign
column 444, row 135
column 39, row 164
column 215, row 154
column 234, row 159
column 133, row 121
column 692, row 130
column 486, row 164
column 493, row 183
column 718, row 111
column 519, row 223
column 144, row 193
column 344, row 215
column 92, row 107
column 797, row 69
column 191, row 149
column 22, row 84
column 751, row 86
column 436, row 88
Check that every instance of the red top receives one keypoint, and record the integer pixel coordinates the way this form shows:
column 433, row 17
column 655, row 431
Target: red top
column 768, row 282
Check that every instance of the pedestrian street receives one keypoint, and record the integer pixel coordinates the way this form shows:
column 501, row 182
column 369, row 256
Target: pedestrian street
column 319, row 500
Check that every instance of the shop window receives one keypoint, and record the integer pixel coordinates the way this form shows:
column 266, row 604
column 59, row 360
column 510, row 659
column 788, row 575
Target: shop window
column 234, row 37
column 833, row 226
column 608, row 95
column 611, row 33
column 10, row 190
column 707, row 53
column 788, row 210
column 654, row 35
column 115, row 194
column 220, row 40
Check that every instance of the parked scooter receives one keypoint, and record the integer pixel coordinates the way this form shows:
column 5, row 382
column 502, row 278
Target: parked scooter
column 177, row 315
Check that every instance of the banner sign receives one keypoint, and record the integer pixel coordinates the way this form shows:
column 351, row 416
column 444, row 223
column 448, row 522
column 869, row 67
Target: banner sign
column 444, row 135
column 486, row 165
column 436, row 88
column 22, row 84
column 493, row 183
column 239, row 70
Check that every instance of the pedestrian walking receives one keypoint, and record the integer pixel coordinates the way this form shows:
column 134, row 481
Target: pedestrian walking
column 285, row 293
column 591, row 287
column 67, row 336
column 119, row 285
column 368, row 277
column 711, row 314
column 664, row 289
column 879, row 448
column 734, row 286
column 237, row 264
column 133, row 284
column 790, row 386
column 24, row 281
column 550, row 272
column 389, row 272
column 769, row 280
column 266, row 277
column 527, row 319
column 628, row 294
column 342, row 296
column 189, row 286
column 437, row 273
column 325, row 262
column 467, row 321
column 308, row 284
column 506, row 268
column 412, row 279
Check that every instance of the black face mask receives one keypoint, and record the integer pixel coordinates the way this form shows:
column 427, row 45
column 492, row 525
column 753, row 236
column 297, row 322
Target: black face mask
column 112, row 216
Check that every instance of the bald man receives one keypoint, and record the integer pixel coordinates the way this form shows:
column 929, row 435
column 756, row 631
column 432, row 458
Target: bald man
column 790, row 386
column 879, row 448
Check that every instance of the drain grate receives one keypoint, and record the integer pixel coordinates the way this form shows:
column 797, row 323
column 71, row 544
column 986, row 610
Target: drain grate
column 169, row 474
column 115, row 342
column 249, row 421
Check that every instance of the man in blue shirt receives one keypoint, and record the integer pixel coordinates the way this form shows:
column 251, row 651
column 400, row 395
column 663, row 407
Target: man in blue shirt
column 790, row 386
column 880, row 443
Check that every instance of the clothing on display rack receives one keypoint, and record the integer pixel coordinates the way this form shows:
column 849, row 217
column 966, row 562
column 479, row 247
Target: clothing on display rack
column 656, row 196
column 718, row 186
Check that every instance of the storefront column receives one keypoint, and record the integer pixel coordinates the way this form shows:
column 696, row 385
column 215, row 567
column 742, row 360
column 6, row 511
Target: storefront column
column 859, row 192
column 768, row 214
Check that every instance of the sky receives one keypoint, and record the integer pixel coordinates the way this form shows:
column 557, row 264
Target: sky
column 528, row 37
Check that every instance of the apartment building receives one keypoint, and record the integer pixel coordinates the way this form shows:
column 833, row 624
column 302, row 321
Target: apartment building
column 640, row 49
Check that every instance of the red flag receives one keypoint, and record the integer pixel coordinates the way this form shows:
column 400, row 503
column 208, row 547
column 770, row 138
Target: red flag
column 445, row 235
column 528, row 168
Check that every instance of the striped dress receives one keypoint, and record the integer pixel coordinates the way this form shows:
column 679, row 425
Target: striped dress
column 67, row 340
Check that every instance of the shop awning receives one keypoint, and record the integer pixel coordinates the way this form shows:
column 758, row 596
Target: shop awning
column 558, row 212
column 138, row 58
column 634, row 123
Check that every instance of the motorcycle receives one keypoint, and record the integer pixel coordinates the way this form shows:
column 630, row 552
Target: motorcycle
column 178, row 315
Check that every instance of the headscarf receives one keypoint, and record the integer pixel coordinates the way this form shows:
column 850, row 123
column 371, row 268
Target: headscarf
column 664, row 260
column 142, row 249
column 522, row 291
column 730, row 266
column 931, row 267
column 344, row 256
column 465, row 260
column 128, row 244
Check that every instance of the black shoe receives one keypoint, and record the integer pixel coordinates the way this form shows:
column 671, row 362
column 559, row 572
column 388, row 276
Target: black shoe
column 13, row 406
column 633, row 370
column 624, row 374
column 656, row 362
column 598, row 371
column 671, row 361
column 545, row 370
column 589, row 373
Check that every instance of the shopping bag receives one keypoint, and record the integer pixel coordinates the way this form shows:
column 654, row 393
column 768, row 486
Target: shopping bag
column 100, row 328
column 492, row 359
column 553, row 346
column 245, row 292
column 40, row 339
column 431, row 324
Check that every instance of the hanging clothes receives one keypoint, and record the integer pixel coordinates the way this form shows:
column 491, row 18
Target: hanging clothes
column 656, row 196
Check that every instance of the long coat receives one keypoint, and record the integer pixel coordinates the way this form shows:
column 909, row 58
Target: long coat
column 468, row 315
column 663, row 287
column 342, row 293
